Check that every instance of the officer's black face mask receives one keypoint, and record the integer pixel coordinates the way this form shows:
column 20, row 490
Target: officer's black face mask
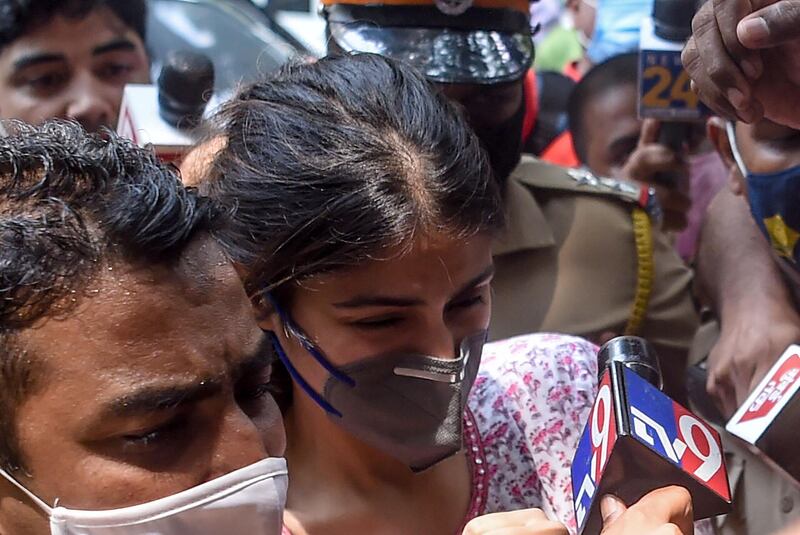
column 503, row 143
column 483, row 104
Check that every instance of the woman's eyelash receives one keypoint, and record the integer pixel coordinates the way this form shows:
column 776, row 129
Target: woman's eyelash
column 377, row 323
column 471, row 301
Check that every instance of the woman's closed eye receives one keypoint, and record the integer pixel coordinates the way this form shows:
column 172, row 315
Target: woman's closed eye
column 467, row 302
column 378, row 322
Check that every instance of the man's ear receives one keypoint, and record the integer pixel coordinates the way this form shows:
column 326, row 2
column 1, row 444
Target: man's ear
column 717, row 133
column 265, row 314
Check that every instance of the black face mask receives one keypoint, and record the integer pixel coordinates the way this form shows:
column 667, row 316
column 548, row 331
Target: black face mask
column 503, row 143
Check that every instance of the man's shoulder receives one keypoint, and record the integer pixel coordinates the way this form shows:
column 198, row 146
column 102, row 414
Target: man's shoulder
column 544, row 177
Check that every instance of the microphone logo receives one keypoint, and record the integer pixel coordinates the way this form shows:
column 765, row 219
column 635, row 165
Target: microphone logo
column 126, row 127
column 594, row 449
column 768, row 418
column 676, row 434
column 776, row 389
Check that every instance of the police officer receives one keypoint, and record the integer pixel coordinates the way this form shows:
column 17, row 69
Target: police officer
column 471, row 32
column 580, row 254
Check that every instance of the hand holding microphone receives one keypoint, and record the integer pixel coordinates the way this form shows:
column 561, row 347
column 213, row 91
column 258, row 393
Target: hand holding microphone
column 664, row 85
column 651, row 159
column 744, row 59
column 666, row 511
column 767, row 420
column 637, row 439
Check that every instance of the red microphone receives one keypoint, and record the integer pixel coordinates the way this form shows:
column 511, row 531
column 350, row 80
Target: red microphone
column 767, row 420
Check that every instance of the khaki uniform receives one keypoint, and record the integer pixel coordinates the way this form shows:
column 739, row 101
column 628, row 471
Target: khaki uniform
column 568, row 262
column 763, row 501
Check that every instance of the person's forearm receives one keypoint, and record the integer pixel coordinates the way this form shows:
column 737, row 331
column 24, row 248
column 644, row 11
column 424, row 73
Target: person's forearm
column 734, row 261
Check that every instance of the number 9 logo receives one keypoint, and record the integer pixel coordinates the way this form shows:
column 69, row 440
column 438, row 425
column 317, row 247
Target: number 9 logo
column 601, row 421
column 710, row 462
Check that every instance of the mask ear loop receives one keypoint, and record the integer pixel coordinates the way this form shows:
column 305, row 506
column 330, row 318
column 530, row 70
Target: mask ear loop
column 299, row 378
column 294, row 331
column 730, row 128
column 34, row 498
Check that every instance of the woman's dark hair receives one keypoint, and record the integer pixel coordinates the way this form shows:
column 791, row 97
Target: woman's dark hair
column 335, row 163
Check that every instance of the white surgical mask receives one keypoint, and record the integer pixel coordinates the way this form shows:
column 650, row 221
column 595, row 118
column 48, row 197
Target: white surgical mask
column 249, row 501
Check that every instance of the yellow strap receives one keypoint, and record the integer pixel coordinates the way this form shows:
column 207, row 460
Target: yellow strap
column 643, row 235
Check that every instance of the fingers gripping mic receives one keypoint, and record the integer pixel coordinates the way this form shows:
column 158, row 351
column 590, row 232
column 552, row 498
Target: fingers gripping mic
column 637, row 440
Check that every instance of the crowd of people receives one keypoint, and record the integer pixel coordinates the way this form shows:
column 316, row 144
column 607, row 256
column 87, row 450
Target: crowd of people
column 371, row 298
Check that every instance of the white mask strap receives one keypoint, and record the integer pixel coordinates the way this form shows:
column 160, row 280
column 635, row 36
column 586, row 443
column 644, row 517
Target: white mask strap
column 38, row 501
column 730, row 128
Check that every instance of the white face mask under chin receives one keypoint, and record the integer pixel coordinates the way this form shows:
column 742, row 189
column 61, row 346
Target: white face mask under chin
column 249, row 501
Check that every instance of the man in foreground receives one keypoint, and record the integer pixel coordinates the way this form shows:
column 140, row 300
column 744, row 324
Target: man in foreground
column 131, row 367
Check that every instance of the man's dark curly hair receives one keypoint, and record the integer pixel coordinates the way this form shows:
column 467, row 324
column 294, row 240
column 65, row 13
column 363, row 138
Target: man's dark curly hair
column 19, row 17
column 70, row 202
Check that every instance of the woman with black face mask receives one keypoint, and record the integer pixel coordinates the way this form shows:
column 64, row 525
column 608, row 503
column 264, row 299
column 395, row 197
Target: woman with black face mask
column 362, row 213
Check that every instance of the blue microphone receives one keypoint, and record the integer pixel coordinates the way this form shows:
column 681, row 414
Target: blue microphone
column 637, row 440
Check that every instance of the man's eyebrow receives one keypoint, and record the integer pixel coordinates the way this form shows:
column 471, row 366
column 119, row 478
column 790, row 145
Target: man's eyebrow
column 158, row 398
column 50, row 57
column 392, row 301
column 37, row 59
column 114, row 46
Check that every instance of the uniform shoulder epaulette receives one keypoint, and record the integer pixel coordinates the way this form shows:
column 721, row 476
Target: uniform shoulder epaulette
column 543, row 175
column 644, row 208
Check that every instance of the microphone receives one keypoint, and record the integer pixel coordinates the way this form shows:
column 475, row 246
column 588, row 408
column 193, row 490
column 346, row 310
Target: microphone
column 637, row 440
column 664, row 86
column 767, row 419
column 166, row 115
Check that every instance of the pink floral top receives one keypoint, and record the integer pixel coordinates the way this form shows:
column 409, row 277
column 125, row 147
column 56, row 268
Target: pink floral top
column 525, row 417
